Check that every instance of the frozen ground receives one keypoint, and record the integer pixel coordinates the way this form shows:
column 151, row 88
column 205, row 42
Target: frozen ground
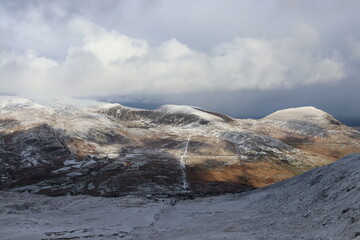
column 28, row 216
column 323, row 203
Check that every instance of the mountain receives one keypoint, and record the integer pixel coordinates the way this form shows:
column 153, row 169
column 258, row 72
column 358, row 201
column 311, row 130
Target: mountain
column 310, row 129
column 59, row 146
column 323, row 203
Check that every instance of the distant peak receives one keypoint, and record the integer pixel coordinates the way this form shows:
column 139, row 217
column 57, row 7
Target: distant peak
column 50, row 103
column 306, row 114
column 176, row 108
column 204, row 114
column 295, row 113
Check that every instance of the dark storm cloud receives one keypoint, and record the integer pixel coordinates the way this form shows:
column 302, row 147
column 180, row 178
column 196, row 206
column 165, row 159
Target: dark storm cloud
column 251, row 57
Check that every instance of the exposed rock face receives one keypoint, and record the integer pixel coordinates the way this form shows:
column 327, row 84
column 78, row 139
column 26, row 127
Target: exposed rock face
column 29, row 156
column 62, row 146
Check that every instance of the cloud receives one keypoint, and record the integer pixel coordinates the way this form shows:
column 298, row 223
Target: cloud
column 27, row 72
column 354, row 49
column 109, row 62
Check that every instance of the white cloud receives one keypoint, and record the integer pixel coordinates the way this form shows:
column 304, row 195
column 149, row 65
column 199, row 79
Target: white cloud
column 109, row 62
column 246, row 63
column 326, row 71
column 108, row 47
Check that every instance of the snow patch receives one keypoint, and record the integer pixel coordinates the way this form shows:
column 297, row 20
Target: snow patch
column 298, row 114
column 188, row 110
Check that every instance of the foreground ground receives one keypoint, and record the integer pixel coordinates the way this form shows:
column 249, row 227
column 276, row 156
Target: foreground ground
column 323, row 203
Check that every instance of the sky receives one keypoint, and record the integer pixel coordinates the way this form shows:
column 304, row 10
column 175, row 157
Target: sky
column 243, row 58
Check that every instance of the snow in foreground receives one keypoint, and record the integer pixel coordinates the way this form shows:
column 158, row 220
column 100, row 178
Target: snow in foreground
column 323, row 203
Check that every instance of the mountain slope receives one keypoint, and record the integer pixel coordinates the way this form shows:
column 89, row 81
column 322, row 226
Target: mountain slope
column 310, row 130
column 58, row 146
column 323, row 203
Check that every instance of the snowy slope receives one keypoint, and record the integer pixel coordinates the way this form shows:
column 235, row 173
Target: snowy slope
column 323, row 203
column 301, row 114
column 304, row 115
column 66, row 103
column 189, row 110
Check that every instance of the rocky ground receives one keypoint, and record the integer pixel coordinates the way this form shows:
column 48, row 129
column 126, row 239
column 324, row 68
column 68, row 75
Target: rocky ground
column 323, row 203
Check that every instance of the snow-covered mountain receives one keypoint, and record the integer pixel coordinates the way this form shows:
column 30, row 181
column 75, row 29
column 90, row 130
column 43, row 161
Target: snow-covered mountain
column 323, row 203
column 61, row 145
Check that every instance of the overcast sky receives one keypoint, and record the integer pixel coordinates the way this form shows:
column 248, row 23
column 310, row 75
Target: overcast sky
column 242, row 58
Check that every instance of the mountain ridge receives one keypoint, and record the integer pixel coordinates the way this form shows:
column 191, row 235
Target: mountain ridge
column 116, row 150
